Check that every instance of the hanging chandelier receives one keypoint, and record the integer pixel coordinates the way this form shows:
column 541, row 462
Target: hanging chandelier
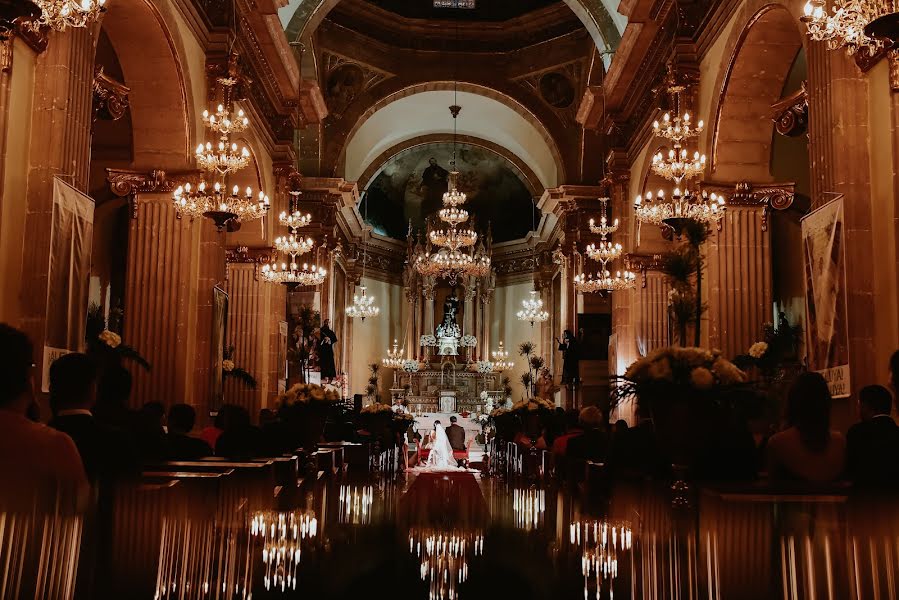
column 223, row 158
column 453, row 215
column 680, row 207
column 60, row 14
column 394, row 358
column 532, row 309
column 294, row 220
column 848, row 26
column 363, row 306
column 224, row 209
column 292, row 274
column 604, row 228
column 293, row 245
column 604, row 252
column 453, row 238
column 603, row 281
column 220, row 121
column 500, row 360
column 453, row 197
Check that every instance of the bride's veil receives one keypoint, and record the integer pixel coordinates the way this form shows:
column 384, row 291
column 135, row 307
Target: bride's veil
column 442, row 450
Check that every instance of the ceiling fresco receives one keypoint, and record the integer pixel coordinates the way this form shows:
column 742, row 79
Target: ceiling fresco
column 410, row 186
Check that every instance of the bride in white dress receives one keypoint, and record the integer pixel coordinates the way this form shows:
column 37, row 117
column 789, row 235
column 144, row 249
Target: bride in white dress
column 441, row 455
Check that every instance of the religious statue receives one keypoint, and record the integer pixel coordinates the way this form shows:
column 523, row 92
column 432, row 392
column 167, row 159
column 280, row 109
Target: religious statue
column 448, row 332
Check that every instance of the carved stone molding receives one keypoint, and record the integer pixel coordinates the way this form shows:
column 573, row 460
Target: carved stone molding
column 791, row 113
column 19, row 18
column 110, row 97
column 248, row 256
column 777, row 196
column 894, row 70
column 643, row 263
column 5, row 55
column 127, row 184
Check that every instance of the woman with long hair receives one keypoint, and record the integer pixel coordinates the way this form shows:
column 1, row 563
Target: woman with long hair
column 807, row 450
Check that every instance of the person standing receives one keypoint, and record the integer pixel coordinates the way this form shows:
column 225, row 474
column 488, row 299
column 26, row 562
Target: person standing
column 456, row 435
column 570, row 350
column 326, row 352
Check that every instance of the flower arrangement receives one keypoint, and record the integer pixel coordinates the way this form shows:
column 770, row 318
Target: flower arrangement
column 776, row 351
column 375, row 408
column 428, row 340
column 102, row 339
column 532, row 405
column 468, row 341
column 484, row 367
column 758, row 350
column 410, row 366
column 232, row 371
column 498, row 412
column 534, row 363
column 309, row 393
column 371, row 388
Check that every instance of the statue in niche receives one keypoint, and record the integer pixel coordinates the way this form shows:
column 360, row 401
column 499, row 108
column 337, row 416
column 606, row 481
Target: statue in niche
column 448, row 332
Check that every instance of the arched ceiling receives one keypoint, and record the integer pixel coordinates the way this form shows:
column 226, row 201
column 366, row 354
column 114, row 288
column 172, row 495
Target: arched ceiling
column 427, row 113
column 600, row 18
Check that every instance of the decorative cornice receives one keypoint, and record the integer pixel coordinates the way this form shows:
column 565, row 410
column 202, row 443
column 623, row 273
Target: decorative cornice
column 247, row 255
column 791, row 113
column 18, row 18
column 125, row 183
column 110, row 97
column 777, row 196
column 643, row 263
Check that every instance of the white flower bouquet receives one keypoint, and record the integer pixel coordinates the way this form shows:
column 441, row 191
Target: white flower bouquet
column 307, row 393
column 428, row 340
column 468, row 341
column 410, row 366
column 484, row 367
column 110, row 338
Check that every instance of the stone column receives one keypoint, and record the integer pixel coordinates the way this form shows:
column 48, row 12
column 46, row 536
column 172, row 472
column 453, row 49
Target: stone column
column 427, row 293
column 468, row 308
column 623, row 315
column 59, row 146
column 840, row 162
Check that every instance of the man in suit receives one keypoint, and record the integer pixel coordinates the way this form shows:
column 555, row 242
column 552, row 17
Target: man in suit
column 106, row 452
column 180, row 444
column 873, row 444
column 456, row 435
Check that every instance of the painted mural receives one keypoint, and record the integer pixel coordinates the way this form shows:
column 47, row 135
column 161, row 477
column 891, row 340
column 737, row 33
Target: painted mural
column 410, row 187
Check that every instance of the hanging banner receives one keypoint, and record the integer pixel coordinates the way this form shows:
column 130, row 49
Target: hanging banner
column 827, row 333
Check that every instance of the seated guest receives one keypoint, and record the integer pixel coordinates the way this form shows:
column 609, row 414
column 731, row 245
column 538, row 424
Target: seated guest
column 872, row 446
column 113, row 395
column 181, row 445
column 240, row 440
column 210, row 434
column 593, row 443
column 107, row 452
column 807, row 450
column 37, row 459
column 572, row 430
column 150, row 432
column 456, row 435
column 634, row 452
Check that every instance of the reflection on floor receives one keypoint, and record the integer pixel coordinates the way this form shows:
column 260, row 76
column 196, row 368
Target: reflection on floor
column 449, row 536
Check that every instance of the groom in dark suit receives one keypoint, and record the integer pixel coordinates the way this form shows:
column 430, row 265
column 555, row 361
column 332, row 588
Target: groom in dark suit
column 456, row 435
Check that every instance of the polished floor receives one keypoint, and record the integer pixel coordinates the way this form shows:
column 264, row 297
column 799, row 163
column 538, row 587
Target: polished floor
column 446, row 536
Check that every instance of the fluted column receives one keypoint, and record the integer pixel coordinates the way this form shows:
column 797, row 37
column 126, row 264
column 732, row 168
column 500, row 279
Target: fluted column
column 59, row 146
column 427, row 293
column 623, row 310
column 468, row 308
column 840, row 162
column 651, row 306
column 738, row 272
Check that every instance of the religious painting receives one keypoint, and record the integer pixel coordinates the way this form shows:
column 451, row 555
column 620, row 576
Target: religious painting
column 827, row 333
column 410, row 186
column 344, row 84
column 219, row 331
column 556, row 90
column 593, row 333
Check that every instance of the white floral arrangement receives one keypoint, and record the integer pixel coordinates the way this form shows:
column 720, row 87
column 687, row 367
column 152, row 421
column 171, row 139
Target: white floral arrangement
column 227, row 365
column 484, row 367
column 304, row 393
column 698, row 368
column 410, row 366
column 758, row 350
column 427, row 340
column 468, row 341
column 488, row 404
column 110, row 338
column 376, row 408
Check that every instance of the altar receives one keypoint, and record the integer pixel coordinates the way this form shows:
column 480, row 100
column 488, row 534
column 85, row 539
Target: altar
column 450, row 387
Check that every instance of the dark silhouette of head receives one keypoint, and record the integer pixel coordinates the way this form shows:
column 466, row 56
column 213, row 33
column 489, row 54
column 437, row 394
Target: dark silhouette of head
column 453, row 419
column 874, row 400
column 432, row 161
column 590, row 418
column 152, row 416
column 16, row 364
column 808, row 409
column 182, row 418
column 436, row 423
column 114, row 387
column 73, row 382
column 567, row 335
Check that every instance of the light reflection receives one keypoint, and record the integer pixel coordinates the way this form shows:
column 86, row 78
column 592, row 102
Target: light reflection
column 529, row 506
column 282, row 535
column 600, row 543
column 444, row 558
column 355, row 504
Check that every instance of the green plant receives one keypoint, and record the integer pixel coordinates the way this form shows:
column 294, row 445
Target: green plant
column 99, row 342
column 232, row 371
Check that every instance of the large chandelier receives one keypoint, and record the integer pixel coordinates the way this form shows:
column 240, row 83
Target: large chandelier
column 292, row 274
column 604, row 251
column 605, row 227
column 604, row 281
column 222, row 122
column 224, row 209
column 453, row 197
column 532, row 309
column 394, row 358
column 59, row 14
column 847, row 27
column 680, row 207
column 223, row 158
column 293, row 245
column 363, row 306
column 453, row 238
column 500, row 360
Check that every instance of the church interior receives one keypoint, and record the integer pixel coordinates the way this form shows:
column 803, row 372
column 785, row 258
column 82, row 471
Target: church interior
column 449, row 298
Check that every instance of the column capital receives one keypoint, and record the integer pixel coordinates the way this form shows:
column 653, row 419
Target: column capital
column 764, row 196
column 126, row 183
column 643, row 263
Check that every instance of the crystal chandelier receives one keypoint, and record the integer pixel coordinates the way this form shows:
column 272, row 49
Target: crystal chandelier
column 59, row 14
column 216, row 204
column 453, row 197
column 846, row 27
column 453, row 215
column 363, row 306
column 532, row 309
column 682, row 206
column 221, row 121
column 394, row 358
column 500, row 360
column 294, row 220
column 453, row 238
column 603, row 281
column 223, row 158
column 604, row 252
column 292, row 274
column 604, row 228
column 293, row 245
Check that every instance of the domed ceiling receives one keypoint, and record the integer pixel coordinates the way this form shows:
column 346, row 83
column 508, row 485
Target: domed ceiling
column 410, row 187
